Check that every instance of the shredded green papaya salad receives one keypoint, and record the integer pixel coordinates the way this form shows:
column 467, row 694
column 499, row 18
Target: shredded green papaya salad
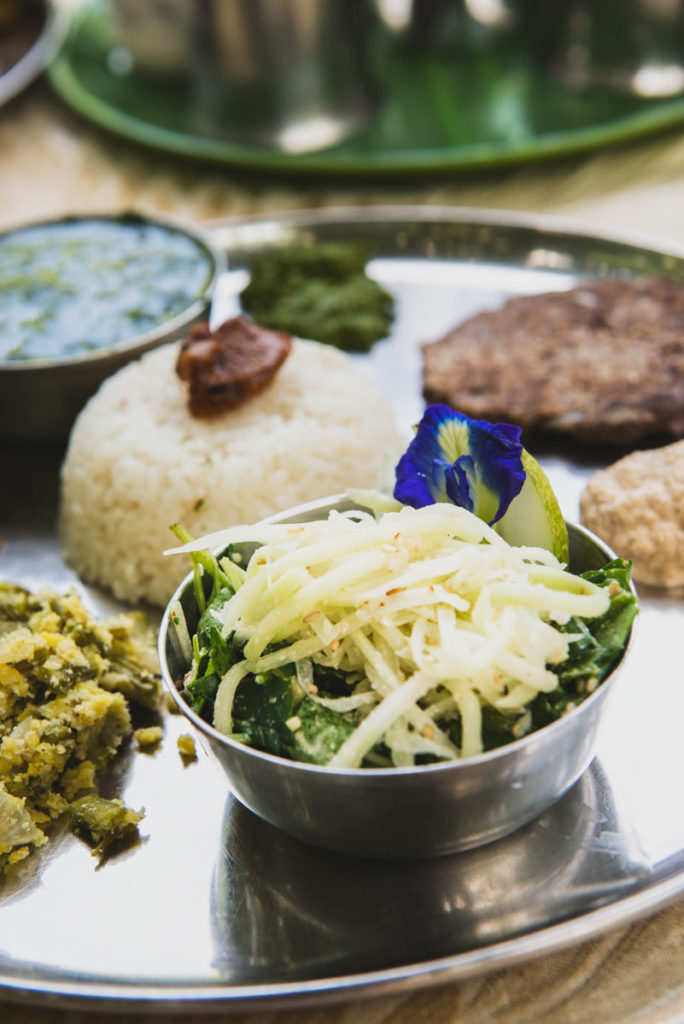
column 399, row 638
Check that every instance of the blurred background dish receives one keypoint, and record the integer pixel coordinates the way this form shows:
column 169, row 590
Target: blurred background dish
column 424, row 87
column 629, row 46
column 290, row 74
column 30, row 33
column 82, row 296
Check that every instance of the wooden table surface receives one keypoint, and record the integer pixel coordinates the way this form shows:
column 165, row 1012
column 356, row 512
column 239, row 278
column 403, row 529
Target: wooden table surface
column 52, row 162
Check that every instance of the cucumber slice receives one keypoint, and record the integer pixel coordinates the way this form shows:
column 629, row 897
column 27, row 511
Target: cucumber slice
column 534, row 517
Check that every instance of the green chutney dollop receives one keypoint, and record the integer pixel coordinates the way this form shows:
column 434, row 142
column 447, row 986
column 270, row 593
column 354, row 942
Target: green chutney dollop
column 320, row 291
column 74, row 286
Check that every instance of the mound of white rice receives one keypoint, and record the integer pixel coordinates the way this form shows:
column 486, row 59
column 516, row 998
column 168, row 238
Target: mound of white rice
column 137, row 462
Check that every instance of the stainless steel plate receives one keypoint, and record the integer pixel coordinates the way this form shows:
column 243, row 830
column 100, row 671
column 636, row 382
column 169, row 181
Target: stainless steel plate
column 214, row 908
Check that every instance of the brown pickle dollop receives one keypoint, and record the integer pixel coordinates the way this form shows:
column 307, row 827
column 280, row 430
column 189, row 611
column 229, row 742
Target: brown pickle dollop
column 225, row 367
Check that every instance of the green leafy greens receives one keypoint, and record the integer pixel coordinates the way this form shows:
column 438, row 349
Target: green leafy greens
column 320, row 292
column 598, row 647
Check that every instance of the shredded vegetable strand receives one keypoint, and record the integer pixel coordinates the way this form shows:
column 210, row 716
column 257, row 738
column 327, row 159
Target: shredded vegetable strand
column 374, row 726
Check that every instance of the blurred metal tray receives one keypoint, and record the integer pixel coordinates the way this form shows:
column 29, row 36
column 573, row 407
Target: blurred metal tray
column 215, row 909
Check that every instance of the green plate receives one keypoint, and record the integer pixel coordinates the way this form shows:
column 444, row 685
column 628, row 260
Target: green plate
column 439, row 111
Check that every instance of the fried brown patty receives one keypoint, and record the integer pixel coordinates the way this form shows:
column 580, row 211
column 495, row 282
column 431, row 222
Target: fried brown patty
column 602, row 362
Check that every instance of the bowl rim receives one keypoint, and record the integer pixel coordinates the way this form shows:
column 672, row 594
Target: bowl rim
column 143, row 340
column 52, row 32
column 543, row 735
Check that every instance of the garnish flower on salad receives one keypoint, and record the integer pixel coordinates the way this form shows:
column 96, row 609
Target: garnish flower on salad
column 472, row 463
column 403, row 637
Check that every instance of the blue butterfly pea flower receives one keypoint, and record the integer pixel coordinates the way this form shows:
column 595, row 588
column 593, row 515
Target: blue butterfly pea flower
column 471, row 463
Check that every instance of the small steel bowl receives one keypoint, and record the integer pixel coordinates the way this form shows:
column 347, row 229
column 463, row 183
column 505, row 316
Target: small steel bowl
column 42, row 25
column 40, row 398
column 397, row 813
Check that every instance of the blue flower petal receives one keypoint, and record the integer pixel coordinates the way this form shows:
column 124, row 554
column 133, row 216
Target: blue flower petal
column 460, row 482
column 468, row 462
